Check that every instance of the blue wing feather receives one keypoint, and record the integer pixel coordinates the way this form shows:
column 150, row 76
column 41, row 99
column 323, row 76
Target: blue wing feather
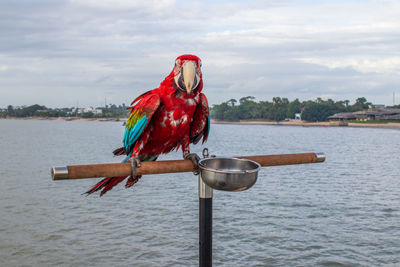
column 137, row 130
column 208, row 125
column 131, row 135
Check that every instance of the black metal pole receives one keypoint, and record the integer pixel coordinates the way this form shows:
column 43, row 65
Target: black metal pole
column 205, row 238
column 205, row 224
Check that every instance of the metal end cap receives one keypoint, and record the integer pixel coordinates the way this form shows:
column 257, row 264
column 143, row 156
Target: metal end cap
column 320, row 157
column 59, row 173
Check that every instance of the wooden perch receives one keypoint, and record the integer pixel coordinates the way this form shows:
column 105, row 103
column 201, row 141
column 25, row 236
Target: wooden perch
column 170, row 166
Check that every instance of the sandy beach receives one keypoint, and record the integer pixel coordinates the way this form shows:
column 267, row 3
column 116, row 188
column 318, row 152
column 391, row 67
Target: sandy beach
column 308, row 124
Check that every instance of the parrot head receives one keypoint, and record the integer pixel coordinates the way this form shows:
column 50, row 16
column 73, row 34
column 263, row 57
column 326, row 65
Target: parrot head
column 187, row 73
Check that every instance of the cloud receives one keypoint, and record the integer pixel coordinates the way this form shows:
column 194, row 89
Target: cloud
column 149, row 5
column 89, row 50
column 381, row 65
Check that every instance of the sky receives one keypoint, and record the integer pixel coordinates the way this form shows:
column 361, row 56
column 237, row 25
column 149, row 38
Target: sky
column 64, row 53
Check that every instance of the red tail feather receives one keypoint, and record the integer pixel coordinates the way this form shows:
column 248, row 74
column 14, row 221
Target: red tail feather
column 119, row 151
column 106, row 184
column 98, row 186
column 113, row 182
column 131, row 181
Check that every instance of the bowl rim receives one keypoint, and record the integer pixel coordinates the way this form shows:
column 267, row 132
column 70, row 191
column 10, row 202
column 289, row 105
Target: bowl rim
column 204, row 168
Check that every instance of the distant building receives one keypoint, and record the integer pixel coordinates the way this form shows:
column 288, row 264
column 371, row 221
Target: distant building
column 95, row 111
column 378, row 114
column 366, row 115
column 341, row 119
column 19, row 107
column 345, row 116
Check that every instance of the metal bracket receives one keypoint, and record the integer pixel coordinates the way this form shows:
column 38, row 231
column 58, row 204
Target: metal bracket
column 204, row 190
column 206, row 154
column 135, row 163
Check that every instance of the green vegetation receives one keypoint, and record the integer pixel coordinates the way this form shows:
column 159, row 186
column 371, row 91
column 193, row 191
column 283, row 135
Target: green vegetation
column 232, row 110
column 281, row 108
column 110, row 111
column 114, row 111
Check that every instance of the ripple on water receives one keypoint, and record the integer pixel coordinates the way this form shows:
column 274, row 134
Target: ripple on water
column 343, row 212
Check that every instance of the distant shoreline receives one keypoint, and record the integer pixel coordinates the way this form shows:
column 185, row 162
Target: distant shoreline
column 64, row 119
column 309, row 124
column 241, row 122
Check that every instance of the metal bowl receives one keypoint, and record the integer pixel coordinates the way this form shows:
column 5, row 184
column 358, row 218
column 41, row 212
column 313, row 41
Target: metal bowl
column 229, row 174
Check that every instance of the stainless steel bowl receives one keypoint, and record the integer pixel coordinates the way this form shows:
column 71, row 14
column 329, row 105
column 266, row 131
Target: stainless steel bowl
column 229, row 174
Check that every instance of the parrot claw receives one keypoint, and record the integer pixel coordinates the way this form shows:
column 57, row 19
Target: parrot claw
column 195, row 160
column 135, row 161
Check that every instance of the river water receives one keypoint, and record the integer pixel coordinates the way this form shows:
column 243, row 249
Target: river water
column 344, row 212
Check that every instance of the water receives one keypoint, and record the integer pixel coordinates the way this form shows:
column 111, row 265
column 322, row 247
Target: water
column 344, row 212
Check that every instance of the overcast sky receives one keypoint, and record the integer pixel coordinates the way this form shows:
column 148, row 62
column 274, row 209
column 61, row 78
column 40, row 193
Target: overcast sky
column 59, row 53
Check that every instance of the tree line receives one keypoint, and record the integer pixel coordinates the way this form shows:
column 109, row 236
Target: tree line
column 281, row 108
column 232, row 110
column 109, row 111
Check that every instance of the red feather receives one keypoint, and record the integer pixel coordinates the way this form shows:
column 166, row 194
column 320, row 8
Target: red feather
column 174, row 119
column 199, row 127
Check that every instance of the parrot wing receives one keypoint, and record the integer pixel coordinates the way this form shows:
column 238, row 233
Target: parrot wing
column 200, row 125
column 140, row 116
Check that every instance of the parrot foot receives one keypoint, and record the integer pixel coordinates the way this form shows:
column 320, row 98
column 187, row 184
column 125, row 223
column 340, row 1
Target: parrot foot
column 135, row 163
column 195, row 160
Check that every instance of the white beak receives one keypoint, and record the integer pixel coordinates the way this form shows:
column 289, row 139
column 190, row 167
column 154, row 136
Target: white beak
column 189, row 73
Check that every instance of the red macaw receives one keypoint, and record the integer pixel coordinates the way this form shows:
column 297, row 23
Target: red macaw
column 166, row 118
